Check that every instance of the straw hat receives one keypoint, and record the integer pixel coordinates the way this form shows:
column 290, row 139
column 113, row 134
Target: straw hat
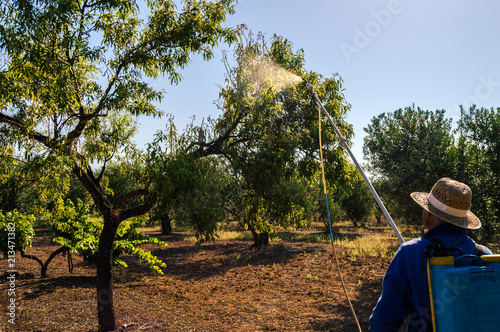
column 449, row 200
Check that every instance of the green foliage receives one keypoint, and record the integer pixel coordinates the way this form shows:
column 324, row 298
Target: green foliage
column 122, row 178
column 199, row 203
column 23, row 187
column 269, row 131
column 335, row 209
column 75, row 79
column 476, row 162
column 128, row 239
column 74, row 229
column 189, row 187
column 409, row 150
column 10, row 186
column 358, row 203
column 16, row 232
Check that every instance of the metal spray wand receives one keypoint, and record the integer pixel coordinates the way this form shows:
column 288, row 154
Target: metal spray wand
column 365, row 178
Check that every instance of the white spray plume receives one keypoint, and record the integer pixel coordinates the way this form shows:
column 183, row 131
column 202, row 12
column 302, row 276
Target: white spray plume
column 260, row 73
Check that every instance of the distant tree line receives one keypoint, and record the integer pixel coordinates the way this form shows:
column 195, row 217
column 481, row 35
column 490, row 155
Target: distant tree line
column 410, row 149
column 407, row 150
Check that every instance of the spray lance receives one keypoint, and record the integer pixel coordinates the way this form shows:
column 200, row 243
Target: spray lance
column 344, row 144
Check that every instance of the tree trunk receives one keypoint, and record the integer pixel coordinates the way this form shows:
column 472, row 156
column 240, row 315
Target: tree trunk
column 44, row 266
column 112, row 218
column 166, row 224
column 264, row 238
column 259, row 239
column 105, row 309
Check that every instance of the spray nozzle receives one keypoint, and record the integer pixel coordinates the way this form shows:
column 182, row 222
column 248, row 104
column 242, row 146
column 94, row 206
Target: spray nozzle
column 308, row 86
column 311, row 90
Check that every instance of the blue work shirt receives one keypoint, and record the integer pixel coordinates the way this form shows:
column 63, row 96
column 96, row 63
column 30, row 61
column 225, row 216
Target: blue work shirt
column 405, row 289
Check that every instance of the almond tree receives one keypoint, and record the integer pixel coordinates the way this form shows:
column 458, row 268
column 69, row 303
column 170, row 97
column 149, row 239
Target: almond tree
column 75, row 79
column 268, row 132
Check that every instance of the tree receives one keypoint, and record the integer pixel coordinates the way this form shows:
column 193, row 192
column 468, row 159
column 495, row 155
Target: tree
column 477, row 163
column 187, row 179
column 409, row 150
column 16, row 234
column 358, row 203
column 10, row 186
column 15, row 185
column 76, row 232
column 268, row 131
column 199, row 201
column 74, row 81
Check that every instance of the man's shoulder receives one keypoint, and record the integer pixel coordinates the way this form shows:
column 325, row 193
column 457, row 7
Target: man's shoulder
column 415, row 243
column 482, row 250
column 413, row 247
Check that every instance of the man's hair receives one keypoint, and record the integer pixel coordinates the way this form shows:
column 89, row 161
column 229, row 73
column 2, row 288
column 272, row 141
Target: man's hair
column 439, row 221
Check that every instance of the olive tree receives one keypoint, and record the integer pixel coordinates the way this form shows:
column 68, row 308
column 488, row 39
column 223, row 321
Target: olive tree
column 476, row 162
column 409, row 150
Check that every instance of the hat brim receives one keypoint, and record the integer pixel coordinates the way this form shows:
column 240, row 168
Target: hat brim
column 470, row 221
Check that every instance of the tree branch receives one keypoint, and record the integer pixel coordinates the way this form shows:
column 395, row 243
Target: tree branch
column 90, row 183
column 138, row 210
column 45, row 140
column 78, row 130
column 129, row 196
column 23, row 254
column 51, row 257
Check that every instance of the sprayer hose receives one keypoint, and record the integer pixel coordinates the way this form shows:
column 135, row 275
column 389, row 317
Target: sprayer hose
column 330, row 223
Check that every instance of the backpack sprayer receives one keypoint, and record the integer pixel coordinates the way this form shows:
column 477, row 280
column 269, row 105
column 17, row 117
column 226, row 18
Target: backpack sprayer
column 344, row 144
column 463, row 298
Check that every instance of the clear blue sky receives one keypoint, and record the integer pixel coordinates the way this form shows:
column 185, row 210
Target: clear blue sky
column 391, row 54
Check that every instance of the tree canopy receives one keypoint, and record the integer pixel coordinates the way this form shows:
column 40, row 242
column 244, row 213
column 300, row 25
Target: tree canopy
column 409, row 150
column 268, row 130
column 476, row 162
column 75, row 79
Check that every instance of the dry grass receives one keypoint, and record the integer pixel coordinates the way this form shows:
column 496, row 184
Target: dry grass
column 373, row 242
column 372, row 245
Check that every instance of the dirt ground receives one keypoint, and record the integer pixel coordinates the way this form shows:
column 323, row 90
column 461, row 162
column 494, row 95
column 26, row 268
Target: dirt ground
column 226, row 286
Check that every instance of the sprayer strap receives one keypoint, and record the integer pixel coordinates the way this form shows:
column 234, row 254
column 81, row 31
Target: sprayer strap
column 478, row 249
column 442, row 249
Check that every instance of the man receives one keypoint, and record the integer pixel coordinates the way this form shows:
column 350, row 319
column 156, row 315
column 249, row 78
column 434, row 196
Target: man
column 405, row 291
